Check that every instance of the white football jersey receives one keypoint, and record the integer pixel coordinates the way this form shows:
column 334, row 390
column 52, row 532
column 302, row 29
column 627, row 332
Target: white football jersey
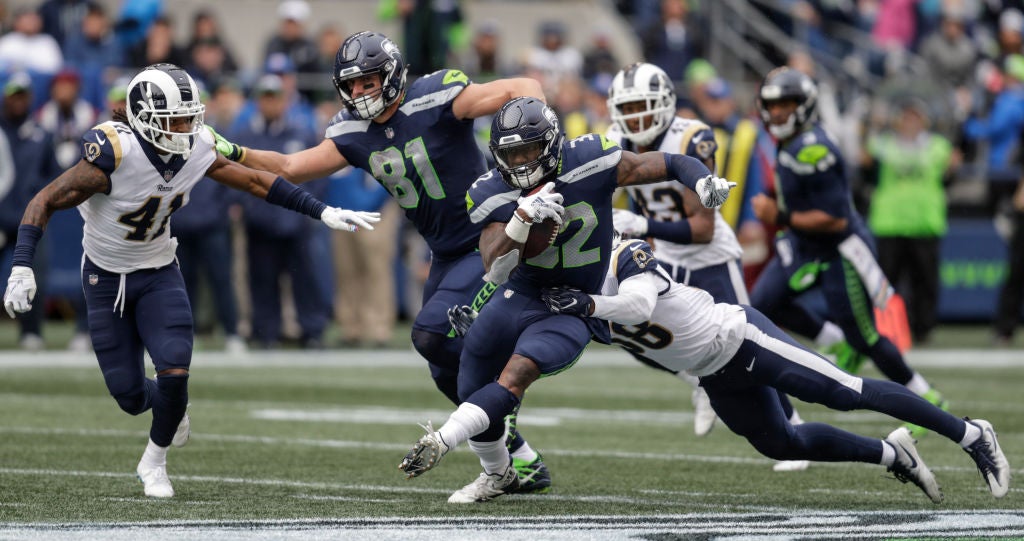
column 663, row 201
column 687, row 331
column 128, row 229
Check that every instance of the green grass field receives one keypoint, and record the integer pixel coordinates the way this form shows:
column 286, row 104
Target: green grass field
column 297, row 445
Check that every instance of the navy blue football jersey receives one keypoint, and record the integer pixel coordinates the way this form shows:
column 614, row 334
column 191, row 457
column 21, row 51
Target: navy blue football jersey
column 812, row 176
column 425, row 156
column 587, row 176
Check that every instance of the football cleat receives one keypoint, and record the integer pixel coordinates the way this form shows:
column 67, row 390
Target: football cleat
column 534, row 477
column 154, row 481
column 425, row 454
column 791, row 465
column 184, row 430
column 989, row 457
column 936, row 399
column 487, row 487
column 908, row 465
column 704, row 415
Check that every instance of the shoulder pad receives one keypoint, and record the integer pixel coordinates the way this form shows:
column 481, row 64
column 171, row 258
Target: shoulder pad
column 633, row 257
column 101, row 146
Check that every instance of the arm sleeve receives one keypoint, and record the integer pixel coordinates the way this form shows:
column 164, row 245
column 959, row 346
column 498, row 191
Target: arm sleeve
column 634, row 302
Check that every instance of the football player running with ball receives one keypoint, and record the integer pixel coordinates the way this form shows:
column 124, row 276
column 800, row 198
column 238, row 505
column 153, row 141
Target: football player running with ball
column 516, row 339
column 134, row 173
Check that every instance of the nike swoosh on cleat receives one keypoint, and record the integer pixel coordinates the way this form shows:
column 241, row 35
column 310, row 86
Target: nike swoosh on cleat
column 913, row 462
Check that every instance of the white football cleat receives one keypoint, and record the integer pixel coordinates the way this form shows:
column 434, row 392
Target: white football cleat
column 989, row 457
column 908, row 465
column 155, row 481
column 183, row 432
column 427, row 452
column 487, row 487
column 791, row 465
column 704, row 415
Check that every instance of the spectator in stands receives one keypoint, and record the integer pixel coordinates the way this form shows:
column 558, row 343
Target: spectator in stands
column 206, row 31
column 673, row 41
column 908, row 209
column 208, row 61
column 365, row 303
column 299, row 109
column 95, row 54
column 325, row 97
column 62, row 19
column 429, row 31
column 552, row 58
column 279, row 242
column 949, row 52
column 226, row 100
column 157, row 47
column 204, row 245
column 135, row 19
column 26, row 47
column 1001, row 129
column 291, row 39
column 67, row 116
column 483, row 63
column 30, row 149
column 599, row 57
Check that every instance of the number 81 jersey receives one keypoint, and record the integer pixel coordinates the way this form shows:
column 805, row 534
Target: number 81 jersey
column 128, row 228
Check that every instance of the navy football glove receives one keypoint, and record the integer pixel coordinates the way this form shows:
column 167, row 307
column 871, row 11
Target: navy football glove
column 568, row 300
column 461, row 318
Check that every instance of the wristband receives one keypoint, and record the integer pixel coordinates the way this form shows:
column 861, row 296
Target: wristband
column 25, row 248
column 782, row 218
column 285, row 194
column 518, row 229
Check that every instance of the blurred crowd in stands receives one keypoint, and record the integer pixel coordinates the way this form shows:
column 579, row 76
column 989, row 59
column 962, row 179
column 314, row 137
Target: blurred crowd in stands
column 925, row 97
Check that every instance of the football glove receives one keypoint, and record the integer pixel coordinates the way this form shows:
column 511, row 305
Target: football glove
column 21, row 289
column 461, row 318
column 544, row 204
column 713, row 191
column 348, row 220
column 568, row 300
column 628, row 223
column 229, row 150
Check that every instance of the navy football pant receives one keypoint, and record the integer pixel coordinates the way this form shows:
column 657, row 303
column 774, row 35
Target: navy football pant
column 745, row 395
column 156, row 318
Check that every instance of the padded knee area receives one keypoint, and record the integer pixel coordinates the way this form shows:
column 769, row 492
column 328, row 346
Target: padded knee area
column 175, row 352
column 438, row 349
column 133, row 403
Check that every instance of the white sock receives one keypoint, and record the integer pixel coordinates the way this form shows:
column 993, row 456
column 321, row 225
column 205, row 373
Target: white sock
column 685, row 376
column 830, row 334
column 525, row 453
column 888, row 454
column 918, row 385
column 154, row 455
column 493, row 455
column 795, row 418
column 971, row 435
column 464, row 423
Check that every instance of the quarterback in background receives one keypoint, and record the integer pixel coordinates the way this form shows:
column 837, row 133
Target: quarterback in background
column 135, row 171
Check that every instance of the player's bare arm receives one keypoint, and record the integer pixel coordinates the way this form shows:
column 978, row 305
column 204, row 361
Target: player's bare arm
column 702, row 219
column 68, row 190
column 477, row 100
column 812, row 221
column 641, row 168
column 494, row 243
column 313, row 163
column 240, row 177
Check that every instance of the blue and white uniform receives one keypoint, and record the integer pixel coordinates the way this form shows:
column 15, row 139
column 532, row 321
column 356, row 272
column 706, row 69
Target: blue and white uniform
column 744, row 362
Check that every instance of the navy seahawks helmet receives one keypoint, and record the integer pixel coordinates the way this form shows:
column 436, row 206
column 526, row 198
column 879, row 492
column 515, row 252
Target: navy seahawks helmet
column 157, row 96
column 785, row 83
column 369, row 53
column 526, row 128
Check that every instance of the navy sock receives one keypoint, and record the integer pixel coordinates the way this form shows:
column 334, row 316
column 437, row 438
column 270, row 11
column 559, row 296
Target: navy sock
column 497, row 402
column 169, row 403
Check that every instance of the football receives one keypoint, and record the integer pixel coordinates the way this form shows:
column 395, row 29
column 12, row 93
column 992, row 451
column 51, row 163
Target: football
column 541, row 236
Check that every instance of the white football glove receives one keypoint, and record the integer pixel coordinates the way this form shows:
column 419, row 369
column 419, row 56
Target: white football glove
column 21, row 289
column 348, row 220
column 544, row 204
column 629, row 224
column 713, row 191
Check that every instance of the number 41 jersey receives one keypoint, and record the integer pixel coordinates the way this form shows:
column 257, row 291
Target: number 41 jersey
column 128, row 228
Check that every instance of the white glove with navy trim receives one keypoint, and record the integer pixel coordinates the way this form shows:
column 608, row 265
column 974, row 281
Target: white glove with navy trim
column 348, row 220
column 21, row 289
column 713, row 191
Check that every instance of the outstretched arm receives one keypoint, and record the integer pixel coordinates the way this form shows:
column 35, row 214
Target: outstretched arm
column 651, row 167
column 68, row 190
column 313, row 163
column 477, row 100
